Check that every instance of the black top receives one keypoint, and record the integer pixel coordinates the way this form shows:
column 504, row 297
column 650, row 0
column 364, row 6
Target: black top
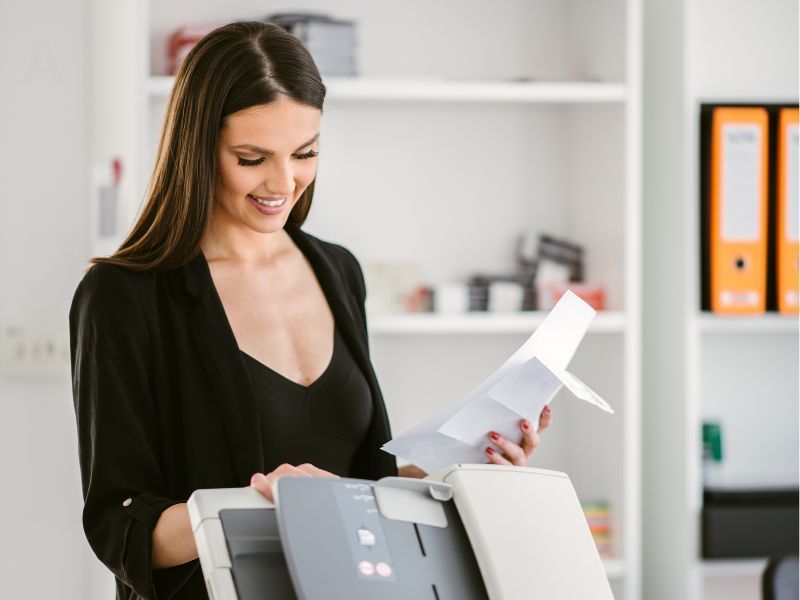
column 323, row 423
column 164, row 404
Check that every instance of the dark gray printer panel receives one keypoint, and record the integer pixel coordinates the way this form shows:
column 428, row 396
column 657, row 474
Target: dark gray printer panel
column 337, row 544
column 258, row 567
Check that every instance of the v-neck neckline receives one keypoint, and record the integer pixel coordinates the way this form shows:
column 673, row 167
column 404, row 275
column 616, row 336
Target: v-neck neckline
column 218, row 351
column 316, row 274
column 286, row 380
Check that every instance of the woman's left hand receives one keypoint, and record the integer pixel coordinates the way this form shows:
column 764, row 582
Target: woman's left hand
column 518, row 454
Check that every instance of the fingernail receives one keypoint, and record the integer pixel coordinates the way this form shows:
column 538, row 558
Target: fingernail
column 526, row 425
column 546, row 408
column 489, row 450
column 494, row 436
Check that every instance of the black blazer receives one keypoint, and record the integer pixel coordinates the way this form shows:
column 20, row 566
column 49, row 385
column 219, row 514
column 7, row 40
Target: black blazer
column 164, row 404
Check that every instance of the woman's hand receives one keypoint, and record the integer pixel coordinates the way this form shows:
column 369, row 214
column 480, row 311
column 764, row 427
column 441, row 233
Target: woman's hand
column 411, row 471
column 265, row 482
column 518, row 454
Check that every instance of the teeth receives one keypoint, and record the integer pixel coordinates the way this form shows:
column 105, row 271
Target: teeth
column 269, row 202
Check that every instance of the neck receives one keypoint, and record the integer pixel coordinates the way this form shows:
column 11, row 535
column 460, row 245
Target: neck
column 228, row 241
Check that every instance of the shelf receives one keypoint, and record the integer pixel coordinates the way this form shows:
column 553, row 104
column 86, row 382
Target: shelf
column 481, row 323
column 739, row 567
column 768, row 323
column 340, row 88
column 615, row 568
column 739, row 98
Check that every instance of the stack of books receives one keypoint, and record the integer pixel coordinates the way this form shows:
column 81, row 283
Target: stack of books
column 331, row 42
column 598, row 515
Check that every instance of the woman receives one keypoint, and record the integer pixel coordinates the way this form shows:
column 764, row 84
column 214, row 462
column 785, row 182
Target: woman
column 221, row 345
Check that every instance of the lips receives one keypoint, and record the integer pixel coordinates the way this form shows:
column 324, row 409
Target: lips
column 268, row 200
column 267, row 205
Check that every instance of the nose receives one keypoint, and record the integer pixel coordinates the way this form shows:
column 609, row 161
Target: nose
column 280, row 179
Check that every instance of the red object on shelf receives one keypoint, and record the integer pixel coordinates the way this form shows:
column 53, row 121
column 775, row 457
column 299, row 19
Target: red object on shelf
column 183, row 40
column 548, row 294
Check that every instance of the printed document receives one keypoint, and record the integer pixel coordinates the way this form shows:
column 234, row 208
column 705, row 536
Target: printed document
column 519, row 389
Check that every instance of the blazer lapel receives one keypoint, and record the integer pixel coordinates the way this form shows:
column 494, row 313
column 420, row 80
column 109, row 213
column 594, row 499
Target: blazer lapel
column 369, row 462
column 336, row 293
column 222, row 361
column 219, row 352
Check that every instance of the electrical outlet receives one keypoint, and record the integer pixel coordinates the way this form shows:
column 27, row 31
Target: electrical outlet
column 33, row 352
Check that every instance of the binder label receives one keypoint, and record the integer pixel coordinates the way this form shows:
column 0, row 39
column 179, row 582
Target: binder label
column 741, row 180
column 793, row 187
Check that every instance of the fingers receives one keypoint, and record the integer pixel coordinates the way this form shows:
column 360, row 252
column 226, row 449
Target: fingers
column 313, row 471
column 495, row 457
column 512, row 453
column 518, row 454
column 545, row 418
column 265, row 483
column 530, row 438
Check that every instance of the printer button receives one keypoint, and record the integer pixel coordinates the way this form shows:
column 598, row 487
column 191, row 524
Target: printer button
column 366, row 568
column 366, row 537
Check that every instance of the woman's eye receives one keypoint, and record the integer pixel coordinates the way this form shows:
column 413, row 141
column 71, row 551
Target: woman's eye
column 243, row 162
column 309, row 154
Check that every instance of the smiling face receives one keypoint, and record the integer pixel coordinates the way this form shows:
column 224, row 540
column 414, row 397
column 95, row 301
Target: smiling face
column 267, row 158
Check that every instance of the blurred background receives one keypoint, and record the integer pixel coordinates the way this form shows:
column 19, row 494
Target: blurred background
column 479, row 158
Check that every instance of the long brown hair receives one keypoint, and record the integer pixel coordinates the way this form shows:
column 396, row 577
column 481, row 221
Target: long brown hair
column 234, row 67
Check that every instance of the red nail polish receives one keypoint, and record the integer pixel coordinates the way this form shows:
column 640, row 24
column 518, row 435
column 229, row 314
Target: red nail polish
column 525, row 425
column 494, row 436
column 489, row 450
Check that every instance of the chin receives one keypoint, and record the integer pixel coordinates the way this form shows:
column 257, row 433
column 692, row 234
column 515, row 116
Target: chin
column 268, row 228
column 271, row 224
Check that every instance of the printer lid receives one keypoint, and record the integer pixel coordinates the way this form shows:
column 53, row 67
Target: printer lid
column 521, row 519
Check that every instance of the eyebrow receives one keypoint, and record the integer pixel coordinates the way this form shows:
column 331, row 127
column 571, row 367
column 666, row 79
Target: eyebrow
column 258, row 150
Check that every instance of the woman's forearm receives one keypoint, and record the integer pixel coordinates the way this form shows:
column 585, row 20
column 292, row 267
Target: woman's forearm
column 173, row 541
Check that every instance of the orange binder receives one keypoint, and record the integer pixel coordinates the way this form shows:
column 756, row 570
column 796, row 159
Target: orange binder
column 788, row 213
column 738, row 210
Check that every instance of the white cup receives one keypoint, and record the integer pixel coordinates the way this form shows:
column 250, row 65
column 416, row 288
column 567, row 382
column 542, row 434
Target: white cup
column 451, row 298
column 505, row 296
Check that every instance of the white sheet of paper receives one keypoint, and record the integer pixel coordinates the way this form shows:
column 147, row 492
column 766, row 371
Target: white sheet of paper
column 580, row 390
column 523, row 392
column 518, row 389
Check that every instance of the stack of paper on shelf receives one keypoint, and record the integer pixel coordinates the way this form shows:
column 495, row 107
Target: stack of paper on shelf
column 332, row 42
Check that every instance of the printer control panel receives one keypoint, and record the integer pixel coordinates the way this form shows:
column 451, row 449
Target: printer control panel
column 368, row 546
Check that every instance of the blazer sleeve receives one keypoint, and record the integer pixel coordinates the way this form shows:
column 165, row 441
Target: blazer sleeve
column 123, row 486
column 359, row 289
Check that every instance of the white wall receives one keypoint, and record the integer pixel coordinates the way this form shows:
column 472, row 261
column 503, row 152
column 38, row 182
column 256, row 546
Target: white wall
column 43, row 245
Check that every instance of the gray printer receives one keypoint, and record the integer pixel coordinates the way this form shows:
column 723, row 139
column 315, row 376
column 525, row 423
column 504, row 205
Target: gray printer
column 467, row 532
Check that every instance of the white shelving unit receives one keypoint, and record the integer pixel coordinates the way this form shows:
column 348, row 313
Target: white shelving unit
column 741, row 371
column 475, row 323
column 770, row 323
column 431, row 89
column 441, row 154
